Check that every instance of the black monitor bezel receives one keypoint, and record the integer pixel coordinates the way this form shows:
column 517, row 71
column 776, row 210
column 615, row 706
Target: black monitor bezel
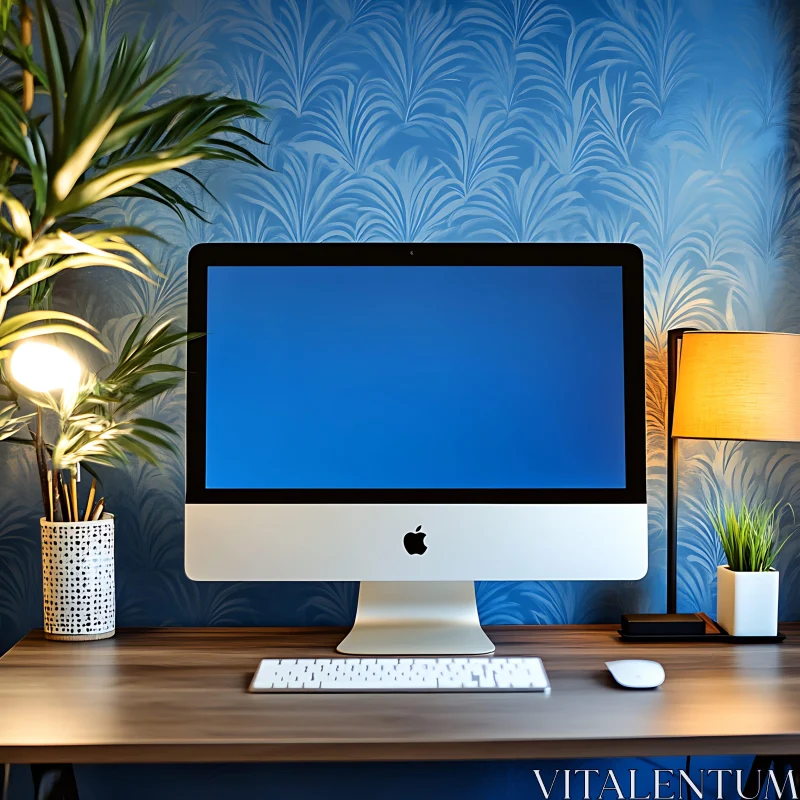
column 627, row 256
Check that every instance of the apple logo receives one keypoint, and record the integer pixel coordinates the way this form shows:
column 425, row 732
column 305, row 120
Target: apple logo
column 414, row 542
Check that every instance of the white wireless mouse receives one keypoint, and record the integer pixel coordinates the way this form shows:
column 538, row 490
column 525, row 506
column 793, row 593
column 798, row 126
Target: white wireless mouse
column 637, row 674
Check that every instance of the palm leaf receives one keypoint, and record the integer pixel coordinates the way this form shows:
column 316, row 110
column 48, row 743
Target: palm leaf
column 11, row 421
column 31, row 324
column 49, row 330
column 20, row 220
column 32, row 317
column 101, row 423
column 105, row 138
column 105, row 141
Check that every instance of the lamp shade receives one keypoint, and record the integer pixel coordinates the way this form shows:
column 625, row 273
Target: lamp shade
column 737, row 385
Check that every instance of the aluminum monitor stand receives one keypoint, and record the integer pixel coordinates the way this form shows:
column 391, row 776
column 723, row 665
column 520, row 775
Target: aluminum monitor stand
column 416, row 618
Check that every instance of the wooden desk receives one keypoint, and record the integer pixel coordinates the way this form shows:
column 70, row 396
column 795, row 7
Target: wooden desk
column 180, row 695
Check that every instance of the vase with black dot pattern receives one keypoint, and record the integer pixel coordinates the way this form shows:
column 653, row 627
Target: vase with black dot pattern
column 78, row 579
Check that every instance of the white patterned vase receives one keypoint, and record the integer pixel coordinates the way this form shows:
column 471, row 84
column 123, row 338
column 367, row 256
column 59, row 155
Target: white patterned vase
column 78, row 579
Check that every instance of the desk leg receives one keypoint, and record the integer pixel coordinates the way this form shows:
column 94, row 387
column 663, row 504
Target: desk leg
column 755, row 781
column 54, row 782
column 781, row 765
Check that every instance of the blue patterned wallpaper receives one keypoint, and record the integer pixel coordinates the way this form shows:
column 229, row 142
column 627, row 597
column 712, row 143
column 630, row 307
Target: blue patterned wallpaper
column 668, row 123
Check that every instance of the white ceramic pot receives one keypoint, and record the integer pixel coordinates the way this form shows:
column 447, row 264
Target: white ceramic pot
column 78, row 579
column 747, row 602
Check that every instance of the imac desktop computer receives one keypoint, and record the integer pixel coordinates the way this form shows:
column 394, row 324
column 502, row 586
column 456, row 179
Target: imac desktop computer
column 416, row 417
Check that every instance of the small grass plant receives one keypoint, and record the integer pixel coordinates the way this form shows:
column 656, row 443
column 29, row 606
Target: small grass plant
column 749, row 533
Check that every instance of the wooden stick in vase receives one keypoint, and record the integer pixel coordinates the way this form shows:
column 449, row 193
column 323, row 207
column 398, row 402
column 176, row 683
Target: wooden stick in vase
column 98, row 509
column 67, row 500
column 66, row 505
column 41, row 457
column 88, row 512
column 74, row 495
column 58, row 515
column 50, row 496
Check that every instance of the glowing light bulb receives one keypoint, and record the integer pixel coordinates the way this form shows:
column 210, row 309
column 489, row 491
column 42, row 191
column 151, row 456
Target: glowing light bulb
column 42, row 367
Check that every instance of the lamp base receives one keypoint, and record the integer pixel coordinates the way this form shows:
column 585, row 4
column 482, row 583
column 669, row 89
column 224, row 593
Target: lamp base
column 663, row 625
column 712, row 632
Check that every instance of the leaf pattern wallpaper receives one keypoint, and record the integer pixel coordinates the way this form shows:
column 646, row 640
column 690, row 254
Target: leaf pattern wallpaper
column 672, row 124
column 668, row 123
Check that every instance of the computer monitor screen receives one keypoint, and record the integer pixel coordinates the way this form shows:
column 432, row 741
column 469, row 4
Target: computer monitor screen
column 415, row 377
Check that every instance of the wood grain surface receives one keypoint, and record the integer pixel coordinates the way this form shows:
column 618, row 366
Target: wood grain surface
column 180, row 695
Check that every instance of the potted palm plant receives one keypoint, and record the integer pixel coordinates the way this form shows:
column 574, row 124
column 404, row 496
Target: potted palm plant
column 747, row 587
column 96, row 131
column 98, row 420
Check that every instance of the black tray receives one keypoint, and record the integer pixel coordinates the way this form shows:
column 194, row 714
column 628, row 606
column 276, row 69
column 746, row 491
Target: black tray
column 714, row 633
column 705, row 638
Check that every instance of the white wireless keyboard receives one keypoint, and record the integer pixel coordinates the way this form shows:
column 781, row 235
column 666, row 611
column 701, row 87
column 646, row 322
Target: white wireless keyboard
column 400, row 675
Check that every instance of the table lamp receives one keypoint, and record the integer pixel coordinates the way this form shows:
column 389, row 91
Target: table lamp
column 741, row 386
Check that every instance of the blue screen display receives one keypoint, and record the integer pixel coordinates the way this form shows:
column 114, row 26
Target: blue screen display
column 415, row 377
